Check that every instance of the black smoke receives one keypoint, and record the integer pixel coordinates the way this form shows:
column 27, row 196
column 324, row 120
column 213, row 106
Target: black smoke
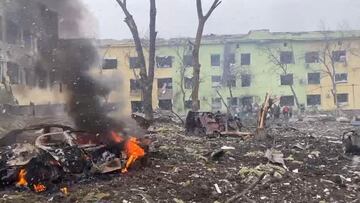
column 67, row 56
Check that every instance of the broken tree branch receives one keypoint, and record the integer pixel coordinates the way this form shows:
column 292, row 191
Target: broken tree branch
column 243, row 193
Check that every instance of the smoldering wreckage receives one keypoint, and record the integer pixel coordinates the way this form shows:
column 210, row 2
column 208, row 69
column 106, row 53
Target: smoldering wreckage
column 87, row 156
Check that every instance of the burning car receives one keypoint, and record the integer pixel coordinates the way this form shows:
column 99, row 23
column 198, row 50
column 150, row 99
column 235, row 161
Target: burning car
column 64, row 151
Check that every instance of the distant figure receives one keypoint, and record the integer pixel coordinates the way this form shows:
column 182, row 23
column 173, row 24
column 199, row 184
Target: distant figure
column 290, row 111
column 285, row 111
column 276, row 110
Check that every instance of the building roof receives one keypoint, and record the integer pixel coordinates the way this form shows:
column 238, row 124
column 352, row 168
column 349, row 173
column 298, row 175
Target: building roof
column 253, row 36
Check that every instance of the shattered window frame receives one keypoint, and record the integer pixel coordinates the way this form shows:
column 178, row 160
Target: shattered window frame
column 234, row 101
column 216, row 103
column 215, row 60
column 109, row 64
column 246, row 80
column 313, row 100
column 339, row 55
column 188, row 83
column 164, row 61
column 287, row 79
column 312, row 57
column 215, row 81
column 231, row 82
column 165, row 104
column 313, row 78
column 341, row 77
column 137, row 106
column 342, row 98
column 135, row 85
column 161, row 82
column 287, row 100
column 287, row 57
column 245, row 59
column 188, row 60
column 247, row 100
column 134, row 62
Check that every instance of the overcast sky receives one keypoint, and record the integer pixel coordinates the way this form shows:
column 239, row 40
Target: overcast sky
column 177, row 18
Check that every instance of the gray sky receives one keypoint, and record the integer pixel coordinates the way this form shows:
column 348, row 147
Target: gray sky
column 177, row 18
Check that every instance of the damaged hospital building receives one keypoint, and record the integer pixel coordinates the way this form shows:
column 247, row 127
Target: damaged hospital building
column 298, row 68
column 316, row 70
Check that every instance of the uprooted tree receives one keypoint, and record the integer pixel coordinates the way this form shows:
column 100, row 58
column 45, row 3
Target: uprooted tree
column 146, row 74
column 280, row 66
column 196, row 50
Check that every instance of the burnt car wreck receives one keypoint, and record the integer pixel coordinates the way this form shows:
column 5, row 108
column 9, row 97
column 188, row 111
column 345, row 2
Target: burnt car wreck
column 63, row 152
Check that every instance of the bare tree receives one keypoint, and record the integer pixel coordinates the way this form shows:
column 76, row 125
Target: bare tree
column 281, row 68
column 146, row 74
column 331, row 53
column 196, row 50
column 181, row 49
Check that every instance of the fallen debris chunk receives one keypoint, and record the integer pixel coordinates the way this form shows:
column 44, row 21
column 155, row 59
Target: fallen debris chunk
column 276, row 157
column 217, row 188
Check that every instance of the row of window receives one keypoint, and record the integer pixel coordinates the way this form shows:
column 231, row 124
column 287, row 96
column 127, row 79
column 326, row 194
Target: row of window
column 311, row 100
column 166, row 83
column 286, row 57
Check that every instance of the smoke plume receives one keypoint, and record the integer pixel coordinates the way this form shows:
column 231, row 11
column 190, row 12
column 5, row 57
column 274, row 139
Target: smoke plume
column 69, row 58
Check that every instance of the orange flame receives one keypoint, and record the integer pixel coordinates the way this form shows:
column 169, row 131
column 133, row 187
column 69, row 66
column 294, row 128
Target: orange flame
column 39, row 187
column 21, row 178
column 133, row 152
column 64, row 190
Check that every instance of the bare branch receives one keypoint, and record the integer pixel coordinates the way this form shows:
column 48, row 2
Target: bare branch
column 215, row 4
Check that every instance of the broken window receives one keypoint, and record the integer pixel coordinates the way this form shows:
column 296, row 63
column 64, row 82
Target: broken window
column 286, row 57
column 12, row 32
column 188, row 104
column 312, row 57
column 187, row 83
column 339, row 56
column 164, row 61
column 134, row 62
column 341, row 77
column 13, row 73
column 134, row 85
column 136, row 106
column 342, row 98
column 165, row 104
column 215, row 60
column 109, row 64
column 245, row 80
column 216, row 104
column 165, row 83
column 246, row 101
column 216, row 81
column 287, row 79
column 188, row 60
column 231, row 82
column 313, row 78
column 233, row 101
column 245, row 59
column 313, row 100
column 287, row 101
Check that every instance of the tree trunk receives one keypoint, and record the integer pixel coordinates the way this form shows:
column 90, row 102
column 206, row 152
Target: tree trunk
column 295, row 96
column 147, row 102
column 196, row 67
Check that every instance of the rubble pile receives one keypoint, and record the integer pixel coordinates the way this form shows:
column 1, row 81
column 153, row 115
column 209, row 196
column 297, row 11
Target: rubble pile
column 296, row 161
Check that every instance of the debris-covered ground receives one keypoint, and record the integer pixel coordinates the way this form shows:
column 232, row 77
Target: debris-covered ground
column 196, row 169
